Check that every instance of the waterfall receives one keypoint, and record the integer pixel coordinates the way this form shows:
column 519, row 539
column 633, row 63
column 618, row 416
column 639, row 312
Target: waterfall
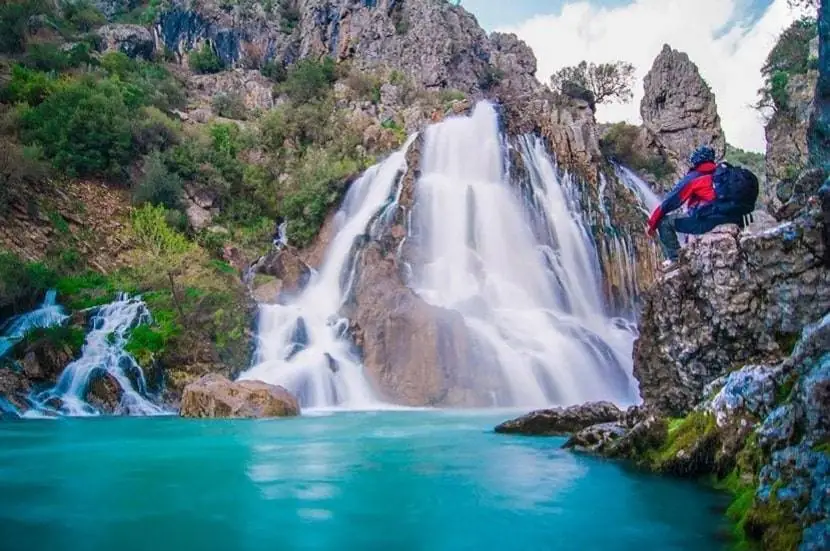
column 48, row 314
column 648, row 199
column 303, row 345
column 531, row 297
column 104, row 351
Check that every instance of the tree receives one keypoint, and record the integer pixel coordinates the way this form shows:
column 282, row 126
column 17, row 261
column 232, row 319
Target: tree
column 608, row 82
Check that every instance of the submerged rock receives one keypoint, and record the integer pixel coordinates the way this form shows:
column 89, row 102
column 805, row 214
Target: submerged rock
column 217, row 397
column 560, row 422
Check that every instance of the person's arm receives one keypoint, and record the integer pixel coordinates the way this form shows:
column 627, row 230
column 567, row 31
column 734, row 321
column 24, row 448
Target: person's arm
column 673, row 201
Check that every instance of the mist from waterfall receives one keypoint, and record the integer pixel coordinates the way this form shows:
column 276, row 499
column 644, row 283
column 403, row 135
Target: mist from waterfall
column 303, row 345
column 518, row 262
column 104, row 352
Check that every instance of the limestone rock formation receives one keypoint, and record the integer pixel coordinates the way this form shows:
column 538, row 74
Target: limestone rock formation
column 249, row 86
column 133, row 40
column 217, row 397
column 786, row 134
column 735, row 299
column 560, row 422
column 286, row 265
column 679, row 110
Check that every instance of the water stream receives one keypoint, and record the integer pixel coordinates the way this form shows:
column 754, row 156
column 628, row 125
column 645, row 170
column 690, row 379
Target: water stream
column 48, row 314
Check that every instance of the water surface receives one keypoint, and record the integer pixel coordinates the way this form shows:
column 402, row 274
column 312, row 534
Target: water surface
column 365, row 481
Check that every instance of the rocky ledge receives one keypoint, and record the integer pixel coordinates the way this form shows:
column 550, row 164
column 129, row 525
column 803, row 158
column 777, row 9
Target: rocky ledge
column 561, row 422
column 217, row 397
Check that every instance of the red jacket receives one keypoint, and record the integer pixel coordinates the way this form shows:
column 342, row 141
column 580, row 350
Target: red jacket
column 695, row 190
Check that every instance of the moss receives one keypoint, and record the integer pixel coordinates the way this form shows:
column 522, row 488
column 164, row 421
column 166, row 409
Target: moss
column 772, row 525
column 784, row 391
column 787, row 341
column 823, row 447
column 684, row 434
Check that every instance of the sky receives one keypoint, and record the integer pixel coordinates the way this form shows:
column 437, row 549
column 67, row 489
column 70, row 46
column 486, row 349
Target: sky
column 727, row 39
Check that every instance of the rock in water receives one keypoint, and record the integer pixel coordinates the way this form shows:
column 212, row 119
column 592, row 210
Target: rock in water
column 215, row 396
column 678, row 109
column 560, row 422
column 104, row 393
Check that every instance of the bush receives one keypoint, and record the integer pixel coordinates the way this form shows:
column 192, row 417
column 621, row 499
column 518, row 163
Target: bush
column 205, row 61
column 790, row 56
column 289, row 15
column 82, row 15
column 309, row 80
column 229, row 105
column 22, row 284
column 28, row 86
column 778, row 90
column 146, row 83
column 153, row 130
column 150, row 228
column 83, row 127
column 274, row 71
column 158, row 185
column 620, row 143
column 14, row 23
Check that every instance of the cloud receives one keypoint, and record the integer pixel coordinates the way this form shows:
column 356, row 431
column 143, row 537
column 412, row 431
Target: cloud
column 730, row 60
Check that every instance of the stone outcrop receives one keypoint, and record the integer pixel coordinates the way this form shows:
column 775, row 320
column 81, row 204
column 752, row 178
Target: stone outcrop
column 133, row 40
column 559, row 421
column 216, row 397
column 679, row 110
column 787, row 152
column 286, row 265
column 736, row 298
column 819, row 132
column 104, row 393
column 249, row 87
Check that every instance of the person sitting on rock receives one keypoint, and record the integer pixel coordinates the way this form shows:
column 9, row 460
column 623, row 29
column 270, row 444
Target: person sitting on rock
column 697, row 191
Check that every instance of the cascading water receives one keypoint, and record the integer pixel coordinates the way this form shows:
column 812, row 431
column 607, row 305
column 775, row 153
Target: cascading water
column 303, row 345
column 48, row 314
column 104, row 351
column 523, row 271
column 648, row 199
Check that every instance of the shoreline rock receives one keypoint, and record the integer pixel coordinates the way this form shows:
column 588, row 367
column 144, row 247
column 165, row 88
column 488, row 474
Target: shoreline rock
column 214, row 396
column 561, row 422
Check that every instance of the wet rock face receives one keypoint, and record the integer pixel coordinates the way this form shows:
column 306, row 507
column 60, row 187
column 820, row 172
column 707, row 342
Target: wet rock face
column 44, row 361
column 286, row 265
column 678, row 109
column 415, row 354
column 560, row 422
column 215, row 396
column 14, row 387
column 133, row 40
column 735, row 299
column 103, row 392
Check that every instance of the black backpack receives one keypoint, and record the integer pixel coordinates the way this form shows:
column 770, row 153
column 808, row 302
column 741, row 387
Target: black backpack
column 736, row 189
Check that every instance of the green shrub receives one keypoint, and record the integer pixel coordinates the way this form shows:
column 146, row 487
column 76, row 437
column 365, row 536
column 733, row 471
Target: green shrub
column 28, row 86
column 46, row 57
column 790, row 56
column 229, row 105
column 490, row 77
column 83, row 127
column 289, row 15
column 309, row 80
column 158, row 185
column 153, row 130
column 22, row 284
column 149, row 225
column 144, row 82
column 778, row 90
column 205, row 61
column 620, row 143
column 274, row 71
column 82, row 15
column 14, row 23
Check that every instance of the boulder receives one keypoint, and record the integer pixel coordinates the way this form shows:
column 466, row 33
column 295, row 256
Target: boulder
column 595, row 438
column 44, row 360
column 103, row 392
column 560, row 422
column 678, row 109
column 14, row 388
column 217, row 397
column 133, row 40
column 286, row 265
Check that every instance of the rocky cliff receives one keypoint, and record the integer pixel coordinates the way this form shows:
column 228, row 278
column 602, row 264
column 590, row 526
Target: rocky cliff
column 679, row 111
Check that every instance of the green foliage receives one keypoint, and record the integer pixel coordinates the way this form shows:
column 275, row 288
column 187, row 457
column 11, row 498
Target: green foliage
column 608, row 82
column 158, row 185
column 289, row 15
column 83, row 127
column 49, row 57
column 205, row 60
column 749, row 159
column 490, row 77
column 82, row 15
column 619, row 143
column 274, row 71
column 153, row 130
column 229, row 105
column 790, row 56
column 682, row 435
column 28, row 86
column 22, row 284
column 86, row 290
column 14, row 23
column 60, row 336
column 146, row 342
column 150, row 228
column 309, row 80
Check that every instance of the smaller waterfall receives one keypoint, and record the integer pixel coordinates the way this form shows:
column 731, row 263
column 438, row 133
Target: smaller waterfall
column 303, row 346
column 104, row 351
column 648, row 199
column 48, row 314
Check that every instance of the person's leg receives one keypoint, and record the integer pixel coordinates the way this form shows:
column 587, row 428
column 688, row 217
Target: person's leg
column 667, row 232
column 698, row 225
